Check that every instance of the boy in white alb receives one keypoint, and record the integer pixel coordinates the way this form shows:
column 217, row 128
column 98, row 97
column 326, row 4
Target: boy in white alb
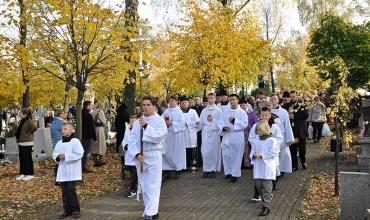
column 264, row 154
column 211, row 144
column 154, row 132
column 232, row 123
column 129, row 160
column 68, row 153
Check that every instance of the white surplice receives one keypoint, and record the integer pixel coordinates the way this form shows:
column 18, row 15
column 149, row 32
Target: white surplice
column 174, row 157
column 275, row 130
column 285, row 160
column 129, row 160
column 265, row 167
column 233, row 141
column 223, row 107
column 151, row 177
column 70, row 168
column 211, row 144
column 191, row 128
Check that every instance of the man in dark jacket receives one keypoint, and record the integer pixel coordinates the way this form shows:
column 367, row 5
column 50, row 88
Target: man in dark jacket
column 298, row 114
column 88, row 132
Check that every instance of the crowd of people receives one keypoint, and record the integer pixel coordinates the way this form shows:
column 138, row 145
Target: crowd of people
column 268, row 134
column 159, row 142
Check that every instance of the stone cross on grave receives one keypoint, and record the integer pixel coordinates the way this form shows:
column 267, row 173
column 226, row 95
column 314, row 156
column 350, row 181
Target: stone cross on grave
column 40, row 114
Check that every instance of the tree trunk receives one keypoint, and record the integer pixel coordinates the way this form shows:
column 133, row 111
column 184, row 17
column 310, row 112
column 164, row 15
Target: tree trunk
column 26, row 94
column 66, row 98
column 272, row 78
column 337, row 131
column 22, row 42
column 128, row 94
column 80, row 97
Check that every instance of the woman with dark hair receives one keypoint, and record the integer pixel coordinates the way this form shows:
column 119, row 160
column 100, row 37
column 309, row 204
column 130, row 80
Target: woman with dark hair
column 24, row 136
column 122, row 118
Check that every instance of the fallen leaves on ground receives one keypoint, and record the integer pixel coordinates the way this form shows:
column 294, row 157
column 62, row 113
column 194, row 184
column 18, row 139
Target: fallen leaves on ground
column 39, row 197
column 320, row 201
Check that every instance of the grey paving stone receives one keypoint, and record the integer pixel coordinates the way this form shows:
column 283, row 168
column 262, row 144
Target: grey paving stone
column 193, row 197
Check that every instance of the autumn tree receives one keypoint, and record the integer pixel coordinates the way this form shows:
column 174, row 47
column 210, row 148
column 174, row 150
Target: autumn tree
column 212, row 45
column 131, row 15
column 75, row 40
column 335, row 37
column 293, row 71
column 310, row 10
column 273, row 17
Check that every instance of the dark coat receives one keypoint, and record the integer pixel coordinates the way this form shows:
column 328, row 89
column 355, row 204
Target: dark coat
column 300, row 129
column 88, row 129
column 198, row 109
column 120, row 122
column 26, row 131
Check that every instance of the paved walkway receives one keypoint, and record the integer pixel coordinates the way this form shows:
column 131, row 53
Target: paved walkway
column 193, row 197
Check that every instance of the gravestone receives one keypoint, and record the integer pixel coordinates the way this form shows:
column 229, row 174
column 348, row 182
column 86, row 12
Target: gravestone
column 11, row 150
column 354, row 195
column 355, row 186
column 363, row 151
column 42, row 137
column 365, row 110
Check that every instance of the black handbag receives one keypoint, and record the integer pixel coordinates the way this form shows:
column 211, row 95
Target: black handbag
column 97, row 121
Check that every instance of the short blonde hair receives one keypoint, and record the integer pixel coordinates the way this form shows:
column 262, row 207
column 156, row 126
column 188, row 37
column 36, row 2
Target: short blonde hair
column 263, row 126
column 68, row 124
column 267, row 103
column 100, row 105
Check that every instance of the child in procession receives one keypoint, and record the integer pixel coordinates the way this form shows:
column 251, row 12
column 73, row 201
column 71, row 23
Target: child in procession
column 129, row 160
column 264, row 153
column 68, row 153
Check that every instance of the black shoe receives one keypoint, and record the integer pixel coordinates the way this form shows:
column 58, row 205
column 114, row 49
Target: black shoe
column 64, row 215
column 205, row 175
column 102, row 163
column 274, row 185
column 294, row 169
column 156, row 216
column 304, row 166
column 57, row 183
column 265, row 211
column 86, row 171
column 76, row 214
column 233, row 179
column 228, row 176
column 97, row 164
column 281, row 175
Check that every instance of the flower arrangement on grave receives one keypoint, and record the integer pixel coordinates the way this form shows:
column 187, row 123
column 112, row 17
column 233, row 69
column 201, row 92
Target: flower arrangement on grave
column 10, row 132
